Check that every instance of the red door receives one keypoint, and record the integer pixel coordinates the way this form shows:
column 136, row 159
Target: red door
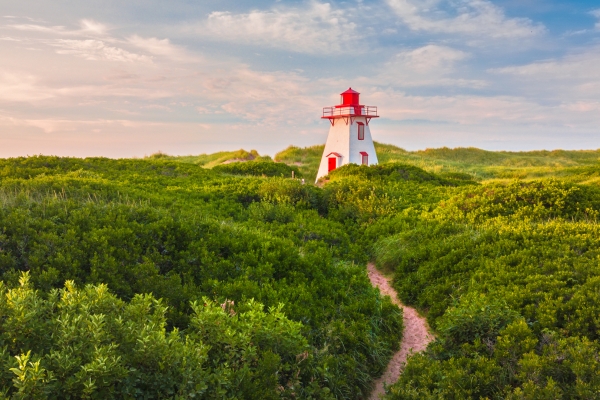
column 332, row 163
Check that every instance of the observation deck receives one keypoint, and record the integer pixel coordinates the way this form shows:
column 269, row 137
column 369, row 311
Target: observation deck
column 349, row 109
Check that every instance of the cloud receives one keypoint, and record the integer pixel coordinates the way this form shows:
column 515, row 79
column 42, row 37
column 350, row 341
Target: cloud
column 59, row 30
column 143, row 75
column 596, row 13
column 430, row 65
column 163, row 48
column 93, row 50
column 575, row 76
column 91, row 26
column 86, row 27
column 164, row 85
column 314, row 28
column 18, row 87
column 488, row 111
column 475, row 18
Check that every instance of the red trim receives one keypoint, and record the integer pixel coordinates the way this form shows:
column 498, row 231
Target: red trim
column 335, row 154
column 364, row 153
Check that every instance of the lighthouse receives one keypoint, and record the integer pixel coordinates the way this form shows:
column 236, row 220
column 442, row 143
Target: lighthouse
column 349, row 139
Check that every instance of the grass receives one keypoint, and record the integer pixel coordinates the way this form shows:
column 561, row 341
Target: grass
column 211, row 160
column 482, row 165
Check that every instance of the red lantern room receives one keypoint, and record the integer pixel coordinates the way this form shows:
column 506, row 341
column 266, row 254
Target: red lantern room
column 349, row 109
column 350, row 98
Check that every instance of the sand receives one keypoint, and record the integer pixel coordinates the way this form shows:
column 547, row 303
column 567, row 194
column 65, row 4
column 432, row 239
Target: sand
column 415, row 339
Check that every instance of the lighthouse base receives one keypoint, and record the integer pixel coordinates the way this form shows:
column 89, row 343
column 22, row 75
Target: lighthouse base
column 349, row 141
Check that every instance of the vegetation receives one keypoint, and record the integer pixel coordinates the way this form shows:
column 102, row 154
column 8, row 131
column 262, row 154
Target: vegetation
column 219, row 276
column 472, row 163
column 507, row 276
column 211, row 160
column 225, row 255
column 259, row 168
column 500, row 251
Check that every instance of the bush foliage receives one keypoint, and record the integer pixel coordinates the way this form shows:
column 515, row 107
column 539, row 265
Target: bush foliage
column 258, row 168
column 261, row 295
column 158, row 278
column 504, row 272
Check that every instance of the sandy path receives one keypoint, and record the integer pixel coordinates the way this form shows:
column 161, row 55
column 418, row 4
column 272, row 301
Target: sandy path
column 416, row 333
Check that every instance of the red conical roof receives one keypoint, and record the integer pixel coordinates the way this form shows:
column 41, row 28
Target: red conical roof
column 350, row 91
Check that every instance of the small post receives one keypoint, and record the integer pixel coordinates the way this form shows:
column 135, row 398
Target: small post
column 292, row 174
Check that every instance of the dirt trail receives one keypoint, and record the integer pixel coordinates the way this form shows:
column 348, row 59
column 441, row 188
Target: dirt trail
column 416, row 333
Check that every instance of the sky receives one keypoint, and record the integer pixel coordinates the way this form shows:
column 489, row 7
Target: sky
column 129, row 78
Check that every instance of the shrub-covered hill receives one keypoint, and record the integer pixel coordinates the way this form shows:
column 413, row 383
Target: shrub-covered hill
column 161, row 278
column 262, row 294
column 458, row 163
column 471, row 162
column 259, row 168
column 211, row 160
column 508, row 277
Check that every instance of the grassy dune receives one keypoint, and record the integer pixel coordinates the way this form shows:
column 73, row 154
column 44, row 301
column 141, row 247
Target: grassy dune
column 481, row 165
column 211, row 160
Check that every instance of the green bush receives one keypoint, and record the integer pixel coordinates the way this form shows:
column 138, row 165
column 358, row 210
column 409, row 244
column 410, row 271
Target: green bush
column 390, row 171
column 258, row 168
column 188, row 235
column 86, row 343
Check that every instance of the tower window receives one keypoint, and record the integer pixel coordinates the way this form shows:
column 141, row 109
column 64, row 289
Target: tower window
column 361, row 131
column 364, row 158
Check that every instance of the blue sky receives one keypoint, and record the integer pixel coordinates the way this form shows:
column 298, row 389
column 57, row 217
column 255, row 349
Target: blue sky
column 129, row 78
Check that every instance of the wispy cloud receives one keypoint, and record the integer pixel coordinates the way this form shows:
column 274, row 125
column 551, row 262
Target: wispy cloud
column 93, row 83
column 596, row 13
column 94, row 50
column 311, row 28
column 430, row 65
column 57, row 30
column 20, row 87
column 86, row 27
column 475, row 18
column 575, row 76
column 142, row 73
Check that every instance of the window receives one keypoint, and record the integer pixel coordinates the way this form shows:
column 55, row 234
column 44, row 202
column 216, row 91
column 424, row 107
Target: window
column 365, row 158
column 361, row 131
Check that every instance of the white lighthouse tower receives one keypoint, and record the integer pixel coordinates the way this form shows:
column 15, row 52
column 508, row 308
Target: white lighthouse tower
column 349, row 139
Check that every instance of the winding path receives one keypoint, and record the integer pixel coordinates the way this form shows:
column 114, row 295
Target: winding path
column 416, row 335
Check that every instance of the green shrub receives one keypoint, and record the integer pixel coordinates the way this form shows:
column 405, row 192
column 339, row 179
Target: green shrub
column 258, row 168
column 86, row 343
